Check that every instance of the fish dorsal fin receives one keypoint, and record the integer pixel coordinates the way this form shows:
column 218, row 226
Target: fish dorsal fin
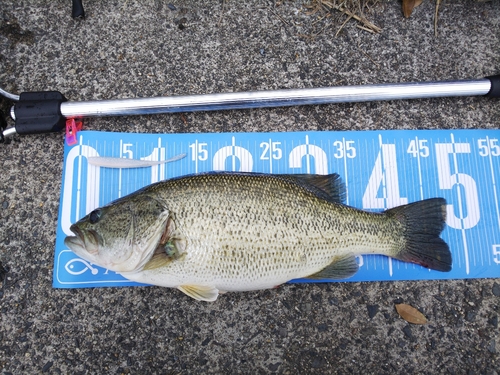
column 330, row 186
column 200, row 292
column 341, row 268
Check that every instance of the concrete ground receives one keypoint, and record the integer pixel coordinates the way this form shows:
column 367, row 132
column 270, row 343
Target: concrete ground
column 148, row 48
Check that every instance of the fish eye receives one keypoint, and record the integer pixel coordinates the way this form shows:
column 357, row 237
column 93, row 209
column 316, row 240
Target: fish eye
column 95, row 216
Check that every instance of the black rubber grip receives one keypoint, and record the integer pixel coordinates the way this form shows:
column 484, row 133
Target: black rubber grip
column 495, row 86
column 39, row 112
column 77, row 11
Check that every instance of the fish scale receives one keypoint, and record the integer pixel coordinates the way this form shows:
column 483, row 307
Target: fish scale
column 244, row 231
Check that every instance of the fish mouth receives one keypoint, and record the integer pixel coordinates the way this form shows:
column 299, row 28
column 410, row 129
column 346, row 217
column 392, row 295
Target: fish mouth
column 77, row 243
column 74, row 228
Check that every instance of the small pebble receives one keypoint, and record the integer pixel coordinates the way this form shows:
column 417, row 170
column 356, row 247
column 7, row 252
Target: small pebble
column 491, row 347
column 322, row 327
column 47, row 366
column 493, row 320
column 470, row 316
column 274, row 366
column 172, row 7
column 372, row 310
column 496, row 289
column 318, row 362
column 283, row 332
column 408, row 333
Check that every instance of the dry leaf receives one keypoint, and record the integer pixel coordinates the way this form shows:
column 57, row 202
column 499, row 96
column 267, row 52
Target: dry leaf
column 410, row 314
column 409, row 5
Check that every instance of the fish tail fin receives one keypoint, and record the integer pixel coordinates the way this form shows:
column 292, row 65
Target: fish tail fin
column 423, row 222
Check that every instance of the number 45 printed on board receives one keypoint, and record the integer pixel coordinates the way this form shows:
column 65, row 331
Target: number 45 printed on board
column 463, row 213
column 385, row 175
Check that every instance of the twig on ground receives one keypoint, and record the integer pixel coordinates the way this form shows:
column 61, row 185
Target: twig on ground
column 343, row 8
column 436, row 18
column 365, row 29
column 367, row 55
column 221, row 12
column 342, row 26
column 312, row 36
column 277, row 15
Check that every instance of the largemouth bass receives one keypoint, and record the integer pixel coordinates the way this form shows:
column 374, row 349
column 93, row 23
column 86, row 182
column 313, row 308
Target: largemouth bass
column 217, row 232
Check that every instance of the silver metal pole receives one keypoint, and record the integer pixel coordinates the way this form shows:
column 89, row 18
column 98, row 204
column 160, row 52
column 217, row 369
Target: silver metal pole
column 274, row 98
column 8, row 95
column 9, row 132
column 42, row 112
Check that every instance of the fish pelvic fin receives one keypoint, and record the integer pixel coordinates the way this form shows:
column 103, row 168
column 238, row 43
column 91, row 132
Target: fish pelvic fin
column 342, row 267
column 200, row 292
column 423, row 222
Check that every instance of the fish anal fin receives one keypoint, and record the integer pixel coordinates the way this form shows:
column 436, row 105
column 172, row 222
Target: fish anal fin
column 341, row 268
column 200, row 292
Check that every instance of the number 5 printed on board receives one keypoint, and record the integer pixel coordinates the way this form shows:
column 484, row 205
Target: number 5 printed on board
column 465, row 187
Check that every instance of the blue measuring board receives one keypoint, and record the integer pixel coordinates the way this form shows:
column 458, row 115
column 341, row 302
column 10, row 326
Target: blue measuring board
column 381, row 169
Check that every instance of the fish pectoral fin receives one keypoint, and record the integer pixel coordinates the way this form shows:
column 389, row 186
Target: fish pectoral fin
column 341, row 268
column 171, row 247
column 158, row 260
column 161, row 258
column 173, row 241
column 200, row 292
column 179, row 241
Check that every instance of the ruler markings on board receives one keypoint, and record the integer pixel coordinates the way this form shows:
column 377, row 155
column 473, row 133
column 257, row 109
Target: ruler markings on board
column 381, row 170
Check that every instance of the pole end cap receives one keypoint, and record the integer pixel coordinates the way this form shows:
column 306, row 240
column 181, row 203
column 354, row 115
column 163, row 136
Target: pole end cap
column 495, row 86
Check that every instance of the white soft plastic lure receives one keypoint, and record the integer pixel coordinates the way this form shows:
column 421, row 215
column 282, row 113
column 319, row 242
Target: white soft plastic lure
column 109, row 162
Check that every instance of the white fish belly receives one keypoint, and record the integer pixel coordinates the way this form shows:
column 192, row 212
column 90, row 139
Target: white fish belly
column 237, row 266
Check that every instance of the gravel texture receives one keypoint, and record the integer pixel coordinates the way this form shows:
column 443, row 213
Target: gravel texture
column 149, row 48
